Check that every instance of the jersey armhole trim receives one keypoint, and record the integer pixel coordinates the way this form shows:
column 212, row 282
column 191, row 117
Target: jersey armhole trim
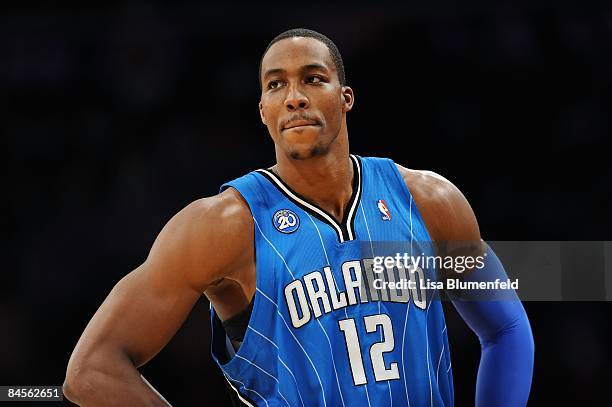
column 415, row 209
column 256, row 300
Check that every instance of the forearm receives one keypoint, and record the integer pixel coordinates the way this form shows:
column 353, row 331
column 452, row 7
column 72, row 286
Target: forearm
column 502, row 326
column 506, row 365
column 109, row 382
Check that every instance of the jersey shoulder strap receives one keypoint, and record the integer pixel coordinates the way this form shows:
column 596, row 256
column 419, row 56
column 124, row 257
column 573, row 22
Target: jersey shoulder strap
column 254, row 188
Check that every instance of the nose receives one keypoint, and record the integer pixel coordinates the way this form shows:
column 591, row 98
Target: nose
column 295, row 99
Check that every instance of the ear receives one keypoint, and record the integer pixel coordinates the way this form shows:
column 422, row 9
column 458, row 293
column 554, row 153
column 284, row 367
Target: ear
column 348, row 99
column 261, row 114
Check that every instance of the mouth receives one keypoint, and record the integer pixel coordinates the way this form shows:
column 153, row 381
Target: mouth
column 299, row 123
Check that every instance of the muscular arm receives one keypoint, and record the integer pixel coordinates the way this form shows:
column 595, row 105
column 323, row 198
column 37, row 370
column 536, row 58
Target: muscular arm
column 146, row 308
column 506, row 364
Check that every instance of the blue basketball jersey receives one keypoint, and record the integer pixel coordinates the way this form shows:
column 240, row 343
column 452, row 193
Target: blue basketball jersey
column 321, row 333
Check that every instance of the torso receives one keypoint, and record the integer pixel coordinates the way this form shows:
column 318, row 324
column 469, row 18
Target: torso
column 432, row 195
column 293, row 261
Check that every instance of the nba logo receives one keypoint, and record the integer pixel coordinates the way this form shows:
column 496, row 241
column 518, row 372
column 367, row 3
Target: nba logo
column 382, row 207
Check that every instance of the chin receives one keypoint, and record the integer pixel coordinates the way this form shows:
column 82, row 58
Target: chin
column 306, row 153
column 302, row 145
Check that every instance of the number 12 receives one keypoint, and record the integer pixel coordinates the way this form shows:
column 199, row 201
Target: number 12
column 377, row 350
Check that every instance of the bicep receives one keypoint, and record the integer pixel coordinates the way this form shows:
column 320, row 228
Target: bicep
column 146, row 307
column 140, row 315
column 443, row 207
column 448, row 216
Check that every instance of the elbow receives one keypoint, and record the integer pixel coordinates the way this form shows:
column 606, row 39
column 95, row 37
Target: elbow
column 91, row 375
column 525, row 335
column 505, row 320
column 69, row 389
column 83, row 377
column 516, row 335
column 75, row 382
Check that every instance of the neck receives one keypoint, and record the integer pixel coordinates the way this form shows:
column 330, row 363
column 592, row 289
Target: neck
column 324, row 180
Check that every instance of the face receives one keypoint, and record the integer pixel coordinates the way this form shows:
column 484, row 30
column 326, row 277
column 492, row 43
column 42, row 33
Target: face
column 302, row 102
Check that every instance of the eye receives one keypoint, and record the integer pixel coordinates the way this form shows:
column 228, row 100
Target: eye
column 314, row 79
column 274, row 84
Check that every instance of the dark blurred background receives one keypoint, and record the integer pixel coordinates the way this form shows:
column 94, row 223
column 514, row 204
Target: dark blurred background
column 115, row 116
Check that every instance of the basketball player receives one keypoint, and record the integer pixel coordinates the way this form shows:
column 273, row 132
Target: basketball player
column 280, row 255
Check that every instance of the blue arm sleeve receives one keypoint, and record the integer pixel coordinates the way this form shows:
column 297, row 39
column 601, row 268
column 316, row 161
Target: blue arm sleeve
column 506, row 364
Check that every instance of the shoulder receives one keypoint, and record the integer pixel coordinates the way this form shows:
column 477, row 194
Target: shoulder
column 446, row 212
column 225, row 215
column 207, row 239
column 226, row 211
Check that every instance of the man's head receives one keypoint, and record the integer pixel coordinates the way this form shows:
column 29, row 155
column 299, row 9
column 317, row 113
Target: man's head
column 303, row 97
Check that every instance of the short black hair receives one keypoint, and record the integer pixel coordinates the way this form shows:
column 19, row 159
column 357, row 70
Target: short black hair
column 306, row 33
